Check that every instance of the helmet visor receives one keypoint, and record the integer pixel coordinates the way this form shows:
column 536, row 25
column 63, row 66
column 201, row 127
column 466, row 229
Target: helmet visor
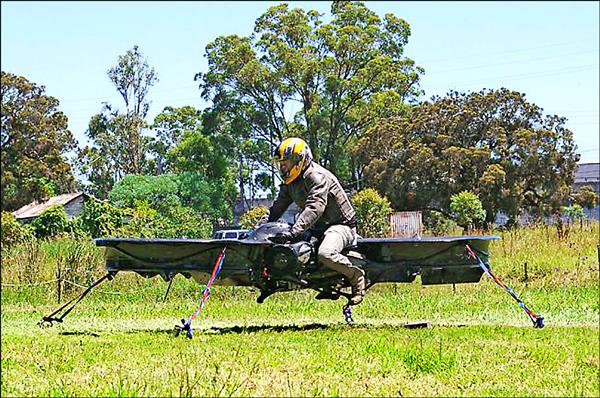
column 285, row 166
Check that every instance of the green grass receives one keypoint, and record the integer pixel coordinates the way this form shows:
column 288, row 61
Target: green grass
column 119, row 341
column 317, row 358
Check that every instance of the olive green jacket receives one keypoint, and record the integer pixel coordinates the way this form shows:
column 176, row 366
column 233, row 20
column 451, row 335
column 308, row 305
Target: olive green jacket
column 320, row 196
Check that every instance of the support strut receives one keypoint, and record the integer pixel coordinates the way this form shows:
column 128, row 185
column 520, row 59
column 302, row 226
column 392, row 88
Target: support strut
column 49, row 319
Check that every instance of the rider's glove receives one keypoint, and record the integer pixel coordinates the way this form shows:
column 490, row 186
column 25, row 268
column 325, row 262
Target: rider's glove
column 285, row 237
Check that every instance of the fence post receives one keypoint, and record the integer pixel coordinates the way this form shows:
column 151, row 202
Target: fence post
column 59, row 280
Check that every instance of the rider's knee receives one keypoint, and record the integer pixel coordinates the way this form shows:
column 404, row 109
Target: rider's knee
column 326, row 254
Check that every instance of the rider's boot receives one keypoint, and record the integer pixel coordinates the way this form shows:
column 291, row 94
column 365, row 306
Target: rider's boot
column 357, row 281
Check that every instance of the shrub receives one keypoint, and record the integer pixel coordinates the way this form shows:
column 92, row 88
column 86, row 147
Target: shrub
column 586, row 197
column 51, row 222
column 249, row 219
column 175, row 222
column 162, row 189
column 573, row 212
column 142, row 220
column 99, row 219
column 372, row 213
column 212, row 197
column 13, row 231
column 467, row 209
column 437, row 224
column 183, row 222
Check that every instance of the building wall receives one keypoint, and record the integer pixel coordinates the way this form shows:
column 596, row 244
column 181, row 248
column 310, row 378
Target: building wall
column 74, row 207
column 589, row 174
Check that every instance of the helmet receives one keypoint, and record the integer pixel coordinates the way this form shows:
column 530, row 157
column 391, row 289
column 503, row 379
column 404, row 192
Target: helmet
column 293, row 155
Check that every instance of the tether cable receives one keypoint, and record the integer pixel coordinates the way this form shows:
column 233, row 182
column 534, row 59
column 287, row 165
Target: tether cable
column 538, row 320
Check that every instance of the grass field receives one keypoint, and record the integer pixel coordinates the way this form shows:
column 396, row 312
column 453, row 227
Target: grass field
column 119, row 341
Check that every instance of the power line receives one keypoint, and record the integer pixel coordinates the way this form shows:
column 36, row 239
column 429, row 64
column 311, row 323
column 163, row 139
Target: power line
column 588, row 150
column 552, row 72
column 514, row 51
column 512, row 62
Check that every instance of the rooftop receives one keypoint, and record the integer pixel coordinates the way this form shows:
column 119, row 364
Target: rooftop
column 587, row 172
column 36, row 208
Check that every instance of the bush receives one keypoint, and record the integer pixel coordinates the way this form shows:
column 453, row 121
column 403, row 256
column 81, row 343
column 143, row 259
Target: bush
column 162, row 190
column 586, row 197
column 51, row 222
column 183, row 222
column 175, row 222
column 213, row 198
column 437, row 224
column 142, row 221
column 99, row 219
column 573, row 212
column 467, row 209
column 372, row 213
column 249, row 219
column 13, row 231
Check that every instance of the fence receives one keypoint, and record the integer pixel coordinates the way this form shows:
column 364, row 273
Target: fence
column 406, row 224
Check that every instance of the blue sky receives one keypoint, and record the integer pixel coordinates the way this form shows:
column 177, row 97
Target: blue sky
column 547, row 50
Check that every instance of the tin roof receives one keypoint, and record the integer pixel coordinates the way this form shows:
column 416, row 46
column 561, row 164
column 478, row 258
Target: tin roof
column 35, row 209
column 587, row 172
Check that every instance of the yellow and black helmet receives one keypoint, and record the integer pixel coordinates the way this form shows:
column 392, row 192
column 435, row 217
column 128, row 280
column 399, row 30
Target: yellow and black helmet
column 292, row 156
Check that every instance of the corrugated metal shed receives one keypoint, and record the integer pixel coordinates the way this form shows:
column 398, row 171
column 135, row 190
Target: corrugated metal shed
column 406, row 224
column 72, row 202
column 587, row 173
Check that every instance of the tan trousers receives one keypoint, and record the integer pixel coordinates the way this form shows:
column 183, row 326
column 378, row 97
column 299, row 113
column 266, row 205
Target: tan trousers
column 336, row 239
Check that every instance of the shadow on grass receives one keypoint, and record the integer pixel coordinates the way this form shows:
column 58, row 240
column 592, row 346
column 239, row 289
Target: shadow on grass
column 267, row 328
column 222, row 330
column 75, row 333
column 242, row 329
column 235, row 329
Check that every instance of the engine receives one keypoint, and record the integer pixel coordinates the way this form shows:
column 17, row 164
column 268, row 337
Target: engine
column 285, row 261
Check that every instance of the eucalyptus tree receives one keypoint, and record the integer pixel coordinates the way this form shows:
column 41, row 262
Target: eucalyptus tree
column 118, row 145
column 35, row 144
column 493, row 143
column 325, row 81
column 171, row 126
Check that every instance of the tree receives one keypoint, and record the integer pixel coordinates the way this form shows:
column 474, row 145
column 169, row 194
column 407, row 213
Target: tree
column 213, row 198
column 35, row 141
column 133, row 78
column 344, row 74
column 492, row 143
column 208, row 142
column 243, row 131
column 118, row 144
column 170, row 126
column 195, row 167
